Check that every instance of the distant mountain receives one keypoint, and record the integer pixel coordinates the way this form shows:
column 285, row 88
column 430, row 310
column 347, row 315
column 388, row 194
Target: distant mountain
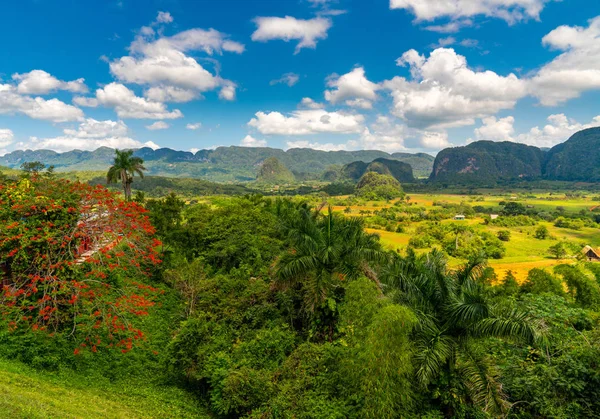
column 577, row 159
column 273, row 172
column 401, row 171
column 488, row 161
column 221, row 164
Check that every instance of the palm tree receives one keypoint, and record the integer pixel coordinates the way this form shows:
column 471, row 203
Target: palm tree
column 124, row 168
column 324, row 251
column 454, row 320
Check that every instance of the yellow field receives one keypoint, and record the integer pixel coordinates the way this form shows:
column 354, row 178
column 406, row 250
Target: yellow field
column 523, row 252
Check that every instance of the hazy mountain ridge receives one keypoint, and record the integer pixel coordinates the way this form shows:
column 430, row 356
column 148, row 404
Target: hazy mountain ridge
column 231, row 163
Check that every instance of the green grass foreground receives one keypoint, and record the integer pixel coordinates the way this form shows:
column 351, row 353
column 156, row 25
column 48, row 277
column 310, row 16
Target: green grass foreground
column 27, row 393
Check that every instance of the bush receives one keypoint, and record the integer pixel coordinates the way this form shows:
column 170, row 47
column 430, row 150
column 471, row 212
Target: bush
column 504, row 235
column 542, row 233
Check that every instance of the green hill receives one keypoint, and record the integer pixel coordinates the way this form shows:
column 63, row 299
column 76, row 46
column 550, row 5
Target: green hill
column 401, row 171
column 273, row 172
column 488, row 161
column 223, row 164
column 577, row 159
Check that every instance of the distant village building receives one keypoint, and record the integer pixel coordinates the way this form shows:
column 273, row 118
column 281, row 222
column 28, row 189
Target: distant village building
column 459, row 217
column 591, row 254
column 493, row 216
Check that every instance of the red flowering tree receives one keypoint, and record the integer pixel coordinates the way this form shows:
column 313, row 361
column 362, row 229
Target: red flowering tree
column 74, row 258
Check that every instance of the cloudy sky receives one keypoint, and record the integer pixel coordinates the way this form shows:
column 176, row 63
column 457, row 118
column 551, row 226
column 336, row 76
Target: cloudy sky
column 393, row 75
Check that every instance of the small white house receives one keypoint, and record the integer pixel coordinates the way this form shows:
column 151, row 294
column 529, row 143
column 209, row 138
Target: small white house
column 459, row 217
column 493, row 216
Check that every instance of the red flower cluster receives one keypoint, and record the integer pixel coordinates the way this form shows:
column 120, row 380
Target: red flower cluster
column 72, row 257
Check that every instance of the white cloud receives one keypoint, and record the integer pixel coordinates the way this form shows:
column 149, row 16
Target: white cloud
column 574, row 71
column 434, row 140
column 360, row 103
column 164, row 17
column 494, row 129
column 450, row 27
column 90, row 135
column 37, row 108
column 127, row 104
column 445, row 92
column 385, row 134
column 227, row 92
column 351, row 86
column 250, row 141
column 288, row 78
column 304, row 122
column 170, row 94
column 558, row 130
column 316, row 145
column 158, row 125
column 308, row 103
column 163, row 63
column 509, row 10
column 194, row 126
column 152, row 145
column 194, row 150
column 6, row 137
column 39, row 82
column 288, row 28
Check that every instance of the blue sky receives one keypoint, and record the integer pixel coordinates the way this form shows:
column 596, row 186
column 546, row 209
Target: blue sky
column 395, row 75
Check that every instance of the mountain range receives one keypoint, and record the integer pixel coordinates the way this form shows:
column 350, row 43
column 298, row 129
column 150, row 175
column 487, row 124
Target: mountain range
column 577, row 159
column 224, row 164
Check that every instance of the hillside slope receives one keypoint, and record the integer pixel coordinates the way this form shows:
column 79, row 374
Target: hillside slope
column 221, row 164
column 577, row 159
column 27, row 393
column 487, row 160
column 401, row 171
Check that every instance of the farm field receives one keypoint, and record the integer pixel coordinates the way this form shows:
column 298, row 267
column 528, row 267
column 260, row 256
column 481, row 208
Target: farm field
column 523, row 252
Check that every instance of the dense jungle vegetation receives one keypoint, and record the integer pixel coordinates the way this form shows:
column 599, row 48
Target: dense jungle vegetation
column 263, row 307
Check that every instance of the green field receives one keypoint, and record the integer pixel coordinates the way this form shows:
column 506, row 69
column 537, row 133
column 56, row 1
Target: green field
column 28, row 393
column 523, row 252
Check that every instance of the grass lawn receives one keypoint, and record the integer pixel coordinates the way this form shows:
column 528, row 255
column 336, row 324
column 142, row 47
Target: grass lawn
column 27, row 393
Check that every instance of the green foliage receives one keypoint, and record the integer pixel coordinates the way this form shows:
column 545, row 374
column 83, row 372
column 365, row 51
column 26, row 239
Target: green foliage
column 584, row 290
column 503, row 235
column 540, row 281
column 375, row 186
column 273, row 172
column 124, row 168
column 542, row 232
column 400, row 171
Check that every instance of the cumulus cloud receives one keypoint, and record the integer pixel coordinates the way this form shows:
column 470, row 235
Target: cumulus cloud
column 305, row 122
column 39, row 82
column 511, row 11
column 90, row 135
column 37, row 108
column 575, row 70
column 384, row 134
column 250, row 141
column 163, row 63
column 307, row 32
column 194, row 126
column 434, row 140
column 127, row 104
column 352, row 87
column 158, row 125
column 494, row 129
column 445, row 92
column 308, row 103
column 558, row 130
column 288, row 78
column 6, row 137
column 227, row 92
column 164, row 17
column 170, row 94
